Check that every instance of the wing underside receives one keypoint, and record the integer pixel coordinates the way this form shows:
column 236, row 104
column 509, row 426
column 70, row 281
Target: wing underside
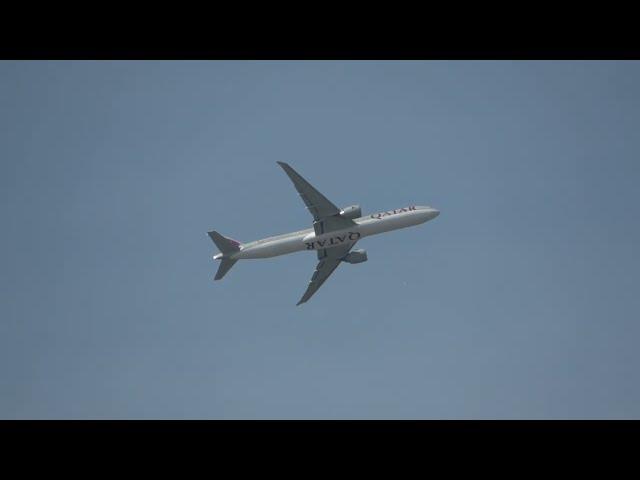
column 316, row 203
column 329, row 259
column 326, row 218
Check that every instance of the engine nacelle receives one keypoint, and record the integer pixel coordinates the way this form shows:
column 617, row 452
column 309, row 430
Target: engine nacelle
column 356, row 256
column 354, row 211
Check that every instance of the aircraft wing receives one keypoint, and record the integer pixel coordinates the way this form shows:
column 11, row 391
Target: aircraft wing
column 329, row 259
column 325, row 214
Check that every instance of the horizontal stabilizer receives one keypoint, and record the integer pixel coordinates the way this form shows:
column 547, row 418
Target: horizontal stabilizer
column 224, row 244
column 225, row 266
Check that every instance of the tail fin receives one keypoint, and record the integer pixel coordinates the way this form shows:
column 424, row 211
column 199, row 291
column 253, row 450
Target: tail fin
column 224, row 244
column 225, row 266
column 227, row 246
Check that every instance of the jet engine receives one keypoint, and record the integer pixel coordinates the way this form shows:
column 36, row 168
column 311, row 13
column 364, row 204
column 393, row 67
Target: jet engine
column 354, row 211
column 356, row 256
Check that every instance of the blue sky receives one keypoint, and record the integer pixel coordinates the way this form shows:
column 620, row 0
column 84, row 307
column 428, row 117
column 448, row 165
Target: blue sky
column 519, row 301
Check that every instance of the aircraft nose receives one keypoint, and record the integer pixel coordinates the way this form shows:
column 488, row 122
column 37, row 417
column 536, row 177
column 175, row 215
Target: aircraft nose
column 431, row 213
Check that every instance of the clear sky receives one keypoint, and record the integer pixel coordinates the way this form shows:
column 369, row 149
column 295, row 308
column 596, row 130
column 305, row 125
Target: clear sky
column 521, row 300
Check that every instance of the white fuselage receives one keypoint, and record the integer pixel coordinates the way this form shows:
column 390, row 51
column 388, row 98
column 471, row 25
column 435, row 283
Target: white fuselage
column 307, row 239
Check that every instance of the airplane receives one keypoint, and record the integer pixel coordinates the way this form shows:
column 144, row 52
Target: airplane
column 335, row 231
